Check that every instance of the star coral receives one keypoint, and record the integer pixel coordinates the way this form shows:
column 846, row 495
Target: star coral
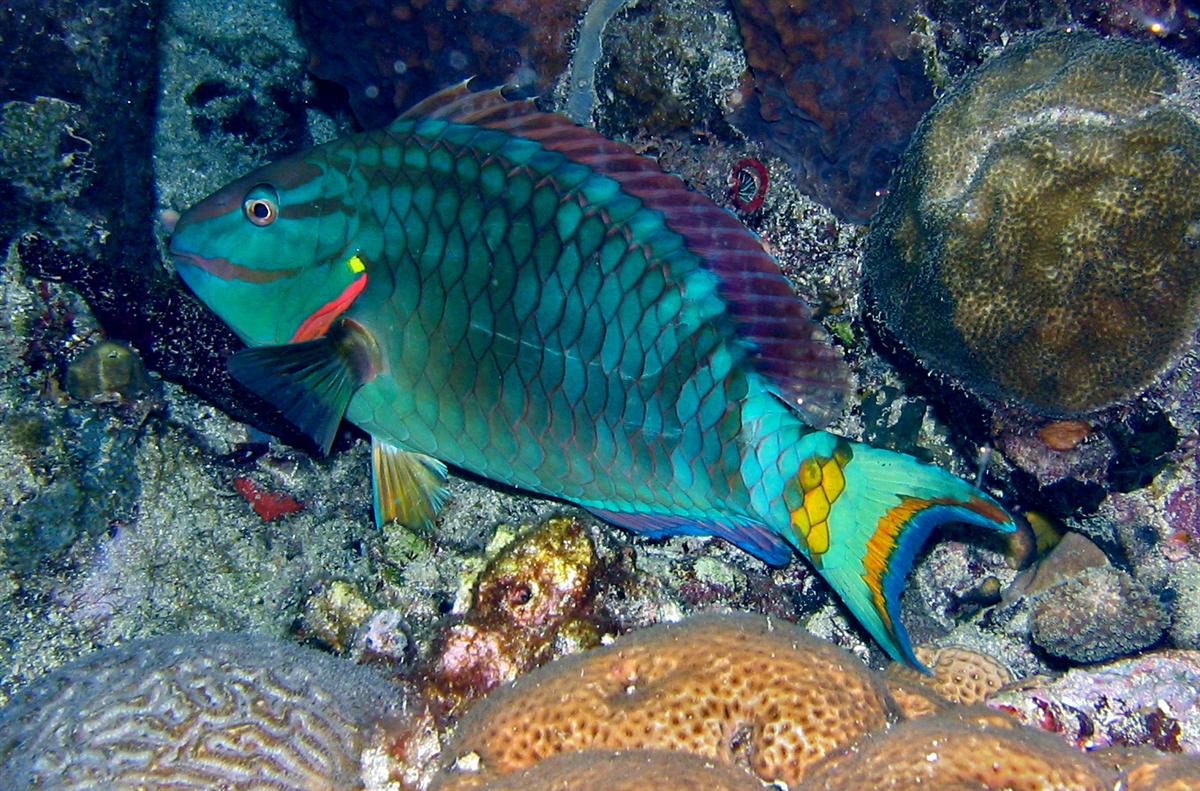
column 968, row 748
column 1041, row 245
column 735, row 689
column 629, row 770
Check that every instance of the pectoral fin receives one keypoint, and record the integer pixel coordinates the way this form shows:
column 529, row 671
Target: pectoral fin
column 409, row 487
column 311, row 383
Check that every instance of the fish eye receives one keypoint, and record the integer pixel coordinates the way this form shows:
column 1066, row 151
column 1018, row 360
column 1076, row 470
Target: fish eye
column 261, row 205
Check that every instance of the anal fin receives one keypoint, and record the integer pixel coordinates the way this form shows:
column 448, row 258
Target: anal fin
column 749, row 535
column 409, row 487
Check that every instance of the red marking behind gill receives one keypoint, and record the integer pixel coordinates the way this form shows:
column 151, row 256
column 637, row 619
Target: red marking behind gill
column 319, row 320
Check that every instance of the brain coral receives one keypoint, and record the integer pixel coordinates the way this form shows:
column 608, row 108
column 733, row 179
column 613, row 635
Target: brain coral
column 741, row 690
column 180, row 712
column 967, row 748
column 1041, row 244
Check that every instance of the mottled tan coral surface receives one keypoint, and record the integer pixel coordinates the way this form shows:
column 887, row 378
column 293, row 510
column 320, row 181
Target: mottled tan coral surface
column 741, row 690
column 1041, row 244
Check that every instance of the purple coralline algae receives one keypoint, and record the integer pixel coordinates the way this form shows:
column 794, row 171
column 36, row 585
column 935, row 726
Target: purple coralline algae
column 1149, row 699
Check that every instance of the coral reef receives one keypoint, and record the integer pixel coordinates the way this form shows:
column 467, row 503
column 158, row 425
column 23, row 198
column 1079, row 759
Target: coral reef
column 1163, row 773
column 1047, row 206
column 628, row 770
column 959, row 674
column 736, row 689
column 1148, row 699
column 528, row 605
column 200, row 711
column 1098, row 614
column 389, row 54
column 667, row 67
column 969, row 748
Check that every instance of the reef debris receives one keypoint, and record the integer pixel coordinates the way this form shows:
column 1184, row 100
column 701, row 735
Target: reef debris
column 1148, row 699
column 528, row 605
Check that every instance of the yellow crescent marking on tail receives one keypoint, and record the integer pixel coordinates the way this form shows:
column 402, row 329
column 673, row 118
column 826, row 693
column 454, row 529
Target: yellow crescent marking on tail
column 882, row 542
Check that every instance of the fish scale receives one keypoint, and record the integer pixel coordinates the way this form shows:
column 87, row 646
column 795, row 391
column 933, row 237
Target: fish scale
column 485, row 285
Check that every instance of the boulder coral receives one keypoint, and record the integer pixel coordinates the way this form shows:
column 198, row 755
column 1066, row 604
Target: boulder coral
column 1041, row 243
column 968, row 748
column 956, row 673
column 612, row 770
column 739, row 690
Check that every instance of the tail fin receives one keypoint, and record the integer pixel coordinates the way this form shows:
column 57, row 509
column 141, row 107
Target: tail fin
column 862, row 514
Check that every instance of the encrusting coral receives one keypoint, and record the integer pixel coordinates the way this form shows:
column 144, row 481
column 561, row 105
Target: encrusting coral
column 740, row 690
column 1100, row 613
column 1041, row 243
column 629, row 770
column 967, row 748
column 959, row 674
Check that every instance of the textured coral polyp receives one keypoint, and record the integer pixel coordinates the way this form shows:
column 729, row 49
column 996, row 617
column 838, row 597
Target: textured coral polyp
column 959, row 674
column 1049, row 208
column 744, row 691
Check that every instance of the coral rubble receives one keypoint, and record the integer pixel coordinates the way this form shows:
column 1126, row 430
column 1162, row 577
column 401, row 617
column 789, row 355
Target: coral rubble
column 1147, row 699
column 529, row 605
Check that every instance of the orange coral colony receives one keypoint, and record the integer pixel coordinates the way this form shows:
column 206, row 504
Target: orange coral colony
column 740, row 690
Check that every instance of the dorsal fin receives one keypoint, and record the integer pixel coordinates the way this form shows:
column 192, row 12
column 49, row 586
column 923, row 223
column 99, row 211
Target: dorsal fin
column 790, row 349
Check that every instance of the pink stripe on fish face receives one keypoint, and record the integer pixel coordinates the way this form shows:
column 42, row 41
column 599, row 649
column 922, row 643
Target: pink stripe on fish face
column 225, row 269
column 318, row 322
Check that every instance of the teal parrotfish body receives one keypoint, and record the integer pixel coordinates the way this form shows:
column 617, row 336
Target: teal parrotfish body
column 489, row 286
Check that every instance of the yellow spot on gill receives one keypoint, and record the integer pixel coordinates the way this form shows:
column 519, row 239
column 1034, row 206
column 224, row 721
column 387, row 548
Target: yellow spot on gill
column 356, row 264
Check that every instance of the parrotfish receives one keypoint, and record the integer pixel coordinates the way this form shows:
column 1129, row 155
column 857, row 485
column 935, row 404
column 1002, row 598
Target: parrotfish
column 489, row 286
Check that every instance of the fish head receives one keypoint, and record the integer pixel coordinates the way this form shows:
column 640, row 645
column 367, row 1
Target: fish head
column 269, row 252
